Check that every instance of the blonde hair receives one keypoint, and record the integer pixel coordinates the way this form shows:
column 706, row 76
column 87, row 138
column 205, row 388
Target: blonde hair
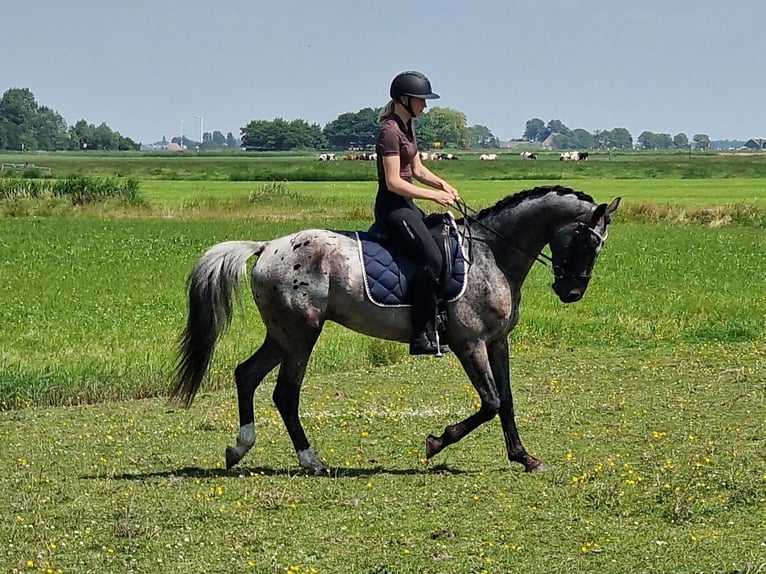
column 386, row 110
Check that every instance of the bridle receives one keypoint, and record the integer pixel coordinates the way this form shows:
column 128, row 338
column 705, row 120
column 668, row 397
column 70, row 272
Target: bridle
column 544, row 259
column 558, row 270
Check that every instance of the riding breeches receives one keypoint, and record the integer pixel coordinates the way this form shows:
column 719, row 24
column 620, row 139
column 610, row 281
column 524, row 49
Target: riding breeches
column 406, row 227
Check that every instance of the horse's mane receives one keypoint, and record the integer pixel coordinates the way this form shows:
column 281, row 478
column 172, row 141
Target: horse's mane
column 516, row 198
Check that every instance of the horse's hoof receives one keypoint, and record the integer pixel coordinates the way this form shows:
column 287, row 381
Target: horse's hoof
column 538, row 468
column 432, row 446
column 232, row 457
column 322, row 471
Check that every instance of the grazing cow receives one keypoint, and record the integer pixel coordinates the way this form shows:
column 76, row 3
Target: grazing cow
column 424, row 155
column 326, row 157
column 573, row 156
column 488, row 156
column 528, row 155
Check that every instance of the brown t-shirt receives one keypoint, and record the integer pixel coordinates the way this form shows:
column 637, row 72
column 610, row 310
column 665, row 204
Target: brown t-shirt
column 395, row 138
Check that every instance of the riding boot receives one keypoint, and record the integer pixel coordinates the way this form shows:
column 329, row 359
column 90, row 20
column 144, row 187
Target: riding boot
column 424, row 340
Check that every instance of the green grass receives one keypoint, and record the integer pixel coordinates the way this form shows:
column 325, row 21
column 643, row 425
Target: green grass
column 657, row 466
column 91, row 307
column 646, row 398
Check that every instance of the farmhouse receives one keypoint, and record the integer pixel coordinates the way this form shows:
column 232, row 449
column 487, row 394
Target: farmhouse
column 758, row 144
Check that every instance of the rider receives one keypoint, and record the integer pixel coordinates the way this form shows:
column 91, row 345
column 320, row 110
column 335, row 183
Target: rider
column 398, row 162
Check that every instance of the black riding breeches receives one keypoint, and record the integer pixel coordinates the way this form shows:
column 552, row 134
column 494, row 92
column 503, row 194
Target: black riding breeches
column 405, row 227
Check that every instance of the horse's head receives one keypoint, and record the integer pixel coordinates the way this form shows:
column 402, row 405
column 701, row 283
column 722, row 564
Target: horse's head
column 575, row 246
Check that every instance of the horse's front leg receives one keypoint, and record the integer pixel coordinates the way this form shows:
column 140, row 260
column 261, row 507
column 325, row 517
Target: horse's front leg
column 473, row 357
column 499, row 361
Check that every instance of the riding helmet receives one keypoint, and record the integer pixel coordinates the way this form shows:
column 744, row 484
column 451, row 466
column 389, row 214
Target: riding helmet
column 413, row 84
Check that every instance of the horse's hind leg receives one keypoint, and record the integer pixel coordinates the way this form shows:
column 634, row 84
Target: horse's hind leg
column 287, row 399
column 248, row 376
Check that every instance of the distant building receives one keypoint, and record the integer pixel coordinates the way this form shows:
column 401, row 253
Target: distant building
column 758, row 144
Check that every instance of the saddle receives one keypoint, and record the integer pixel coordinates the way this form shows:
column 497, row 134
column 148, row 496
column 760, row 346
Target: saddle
column 388, row 269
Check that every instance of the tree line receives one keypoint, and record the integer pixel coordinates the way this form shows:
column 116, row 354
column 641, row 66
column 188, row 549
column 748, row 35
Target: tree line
column 25, row 125
column 437, row 127
column 561, row 137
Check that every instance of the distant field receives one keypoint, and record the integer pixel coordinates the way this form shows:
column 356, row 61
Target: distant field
column 509, row 166
column 481, row 193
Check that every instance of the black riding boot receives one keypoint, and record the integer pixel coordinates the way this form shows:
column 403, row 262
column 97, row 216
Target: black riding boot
column 424, row 335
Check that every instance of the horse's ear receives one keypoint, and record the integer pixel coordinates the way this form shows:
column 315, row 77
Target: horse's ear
column 597, row 214
column 604, row 210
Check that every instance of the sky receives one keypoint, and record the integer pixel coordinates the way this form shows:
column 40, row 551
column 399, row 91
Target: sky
column 150, row 68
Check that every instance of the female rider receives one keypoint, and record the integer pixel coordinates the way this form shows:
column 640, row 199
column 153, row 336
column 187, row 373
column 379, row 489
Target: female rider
column 398, row 162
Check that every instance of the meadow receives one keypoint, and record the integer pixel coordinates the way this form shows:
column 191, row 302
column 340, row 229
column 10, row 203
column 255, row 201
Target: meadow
column 646, row 398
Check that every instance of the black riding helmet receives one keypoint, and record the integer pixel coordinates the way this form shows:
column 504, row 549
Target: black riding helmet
column 413, row 84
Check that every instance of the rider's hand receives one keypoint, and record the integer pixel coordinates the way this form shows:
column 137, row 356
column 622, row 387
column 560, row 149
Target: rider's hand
column 444, row 198
column 447, row 188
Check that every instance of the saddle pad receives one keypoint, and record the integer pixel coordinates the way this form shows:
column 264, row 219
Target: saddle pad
column 387, row 272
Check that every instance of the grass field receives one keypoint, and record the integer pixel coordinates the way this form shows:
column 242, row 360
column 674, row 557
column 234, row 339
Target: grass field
column 646, row 398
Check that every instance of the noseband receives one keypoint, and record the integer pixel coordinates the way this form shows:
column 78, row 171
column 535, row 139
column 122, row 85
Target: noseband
column 558, row 270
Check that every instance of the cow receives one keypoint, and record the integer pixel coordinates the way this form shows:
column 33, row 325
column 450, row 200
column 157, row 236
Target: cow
column 528, row 155
column 488, row 156
column 326, row 157
column 573, row 156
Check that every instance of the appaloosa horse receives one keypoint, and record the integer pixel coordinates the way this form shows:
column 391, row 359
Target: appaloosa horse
column 302, row 280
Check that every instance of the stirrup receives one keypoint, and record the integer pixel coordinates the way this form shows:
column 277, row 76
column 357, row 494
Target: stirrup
column 421, row 344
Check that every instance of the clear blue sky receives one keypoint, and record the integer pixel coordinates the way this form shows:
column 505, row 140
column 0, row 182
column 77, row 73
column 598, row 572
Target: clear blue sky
column 146, row 66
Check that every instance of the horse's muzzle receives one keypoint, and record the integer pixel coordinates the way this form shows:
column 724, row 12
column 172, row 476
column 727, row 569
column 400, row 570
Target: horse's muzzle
column 570, row 290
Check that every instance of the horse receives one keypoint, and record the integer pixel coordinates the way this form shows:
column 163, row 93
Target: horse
column 302, row 280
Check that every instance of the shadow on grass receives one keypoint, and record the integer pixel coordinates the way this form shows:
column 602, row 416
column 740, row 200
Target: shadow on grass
column 348, row 472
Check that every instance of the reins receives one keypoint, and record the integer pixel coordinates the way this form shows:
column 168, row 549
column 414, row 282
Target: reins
column 463, row 208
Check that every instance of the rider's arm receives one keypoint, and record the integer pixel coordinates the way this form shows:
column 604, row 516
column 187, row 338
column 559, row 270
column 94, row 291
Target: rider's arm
column 399, row 186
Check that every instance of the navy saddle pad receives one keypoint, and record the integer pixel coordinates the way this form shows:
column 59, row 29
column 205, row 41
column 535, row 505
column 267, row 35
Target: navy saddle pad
column 388, row 270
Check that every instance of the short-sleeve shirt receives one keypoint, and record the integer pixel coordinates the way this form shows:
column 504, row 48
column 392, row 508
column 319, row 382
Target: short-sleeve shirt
column 395, row 138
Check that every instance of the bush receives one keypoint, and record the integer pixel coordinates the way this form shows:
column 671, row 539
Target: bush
column 80, row 190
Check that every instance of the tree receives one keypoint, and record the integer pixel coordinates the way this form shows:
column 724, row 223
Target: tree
column 649, row 140
column 702, row 141
column 85, row 136
column 444, row 125
column 26, row 125
column 618, row 138
column 231, row 141
column 482, row 137
column 557, row 127
column 535, row 130
column 681, row 141
column 279, row 134
column 574, row 139
column 353, row 129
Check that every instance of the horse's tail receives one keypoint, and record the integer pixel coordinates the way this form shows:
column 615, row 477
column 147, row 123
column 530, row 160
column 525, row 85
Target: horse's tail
column 212, row 284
